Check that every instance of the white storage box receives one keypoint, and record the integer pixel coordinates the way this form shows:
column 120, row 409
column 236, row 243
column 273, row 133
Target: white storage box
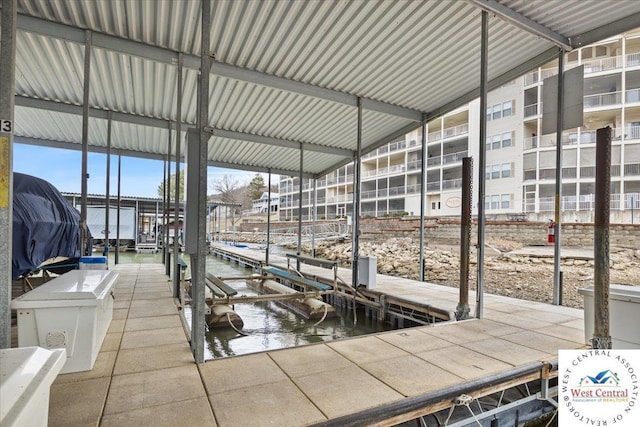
column 624, row 315
column 367, row 270
column 93, row 263
column 72, row 311
column 26, row 375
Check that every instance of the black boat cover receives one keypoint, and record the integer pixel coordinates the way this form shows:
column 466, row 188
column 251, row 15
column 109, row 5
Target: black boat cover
column 45, row 225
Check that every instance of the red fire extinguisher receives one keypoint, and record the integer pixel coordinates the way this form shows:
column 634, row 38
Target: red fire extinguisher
column 551, row 237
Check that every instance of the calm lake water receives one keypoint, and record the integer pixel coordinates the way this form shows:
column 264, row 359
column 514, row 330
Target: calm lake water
column 268, row 325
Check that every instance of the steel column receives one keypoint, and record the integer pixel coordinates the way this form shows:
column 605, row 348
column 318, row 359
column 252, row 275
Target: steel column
column 8, row 18
column 299, row 251
column 85, row 143
column 313, row 219
column 167, row 205
column 484, row 53
column 108, row 191
column 176, row 211
column 558, row 218
column 117, row 248
column 266, row 256
column 355, row 222
column 601, row 338
column 462, row 311
column 198, row 260
column 423, row 196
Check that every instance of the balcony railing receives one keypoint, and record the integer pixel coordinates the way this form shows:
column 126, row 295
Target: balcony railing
column 585, row 202
column 602, row 100
column 414, row 165
column 536, row 76
column 448, row 132
column 398, row 145
column 370, row 194
column 397, row 191
column 633, row 59
column 454, row 157
column 434, row 161
column 602, row 64
column 633, row 95
column 413, row 188
column 632, row 169
column 531, row 110
column 530, row 142
column 530, row 175
column 433, row 186
column 451, row 184
column 633, row 132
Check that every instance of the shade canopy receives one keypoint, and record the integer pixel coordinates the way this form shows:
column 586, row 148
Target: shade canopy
column 287, row 74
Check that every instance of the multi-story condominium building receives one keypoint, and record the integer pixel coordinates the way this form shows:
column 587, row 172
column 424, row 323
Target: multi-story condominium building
column 520, row 161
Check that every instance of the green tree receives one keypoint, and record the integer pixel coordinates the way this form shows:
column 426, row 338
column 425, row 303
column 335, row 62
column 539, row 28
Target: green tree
column 172, row 190
column 256, row 187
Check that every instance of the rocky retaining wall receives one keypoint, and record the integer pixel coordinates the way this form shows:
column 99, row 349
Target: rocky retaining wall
column 447, row 231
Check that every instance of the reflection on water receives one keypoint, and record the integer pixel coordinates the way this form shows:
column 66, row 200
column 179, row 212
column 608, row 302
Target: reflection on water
column 268, row 325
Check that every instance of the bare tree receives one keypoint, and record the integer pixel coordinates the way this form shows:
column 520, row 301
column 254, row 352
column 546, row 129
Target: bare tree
column 228, row 189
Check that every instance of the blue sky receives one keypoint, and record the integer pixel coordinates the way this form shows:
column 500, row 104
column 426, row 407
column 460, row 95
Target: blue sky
column 140, row 177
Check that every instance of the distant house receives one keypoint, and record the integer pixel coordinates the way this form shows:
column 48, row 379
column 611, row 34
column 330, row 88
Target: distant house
column 262, row 204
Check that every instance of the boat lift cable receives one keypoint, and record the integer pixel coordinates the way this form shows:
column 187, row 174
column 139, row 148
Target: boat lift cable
column 234, row 328
column 324, row 316
column 462, row 400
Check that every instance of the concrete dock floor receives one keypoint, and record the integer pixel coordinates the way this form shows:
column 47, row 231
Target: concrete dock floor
column 145, row 374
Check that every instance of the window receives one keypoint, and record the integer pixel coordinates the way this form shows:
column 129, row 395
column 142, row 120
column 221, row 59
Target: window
column 488, row 114
column 506, row 170
column 497, row 141
column 506, row 108
column 497, row 111
column 495, row 201
column 435, row 205
column 488, row 144
column 495, row 171
column 506, row 139
column 505, row 201
column 487, row 172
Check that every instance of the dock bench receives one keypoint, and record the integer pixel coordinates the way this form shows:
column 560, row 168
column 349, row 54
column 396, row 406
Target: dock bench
column 317, row 262
column 218, row 287
column 295, row 278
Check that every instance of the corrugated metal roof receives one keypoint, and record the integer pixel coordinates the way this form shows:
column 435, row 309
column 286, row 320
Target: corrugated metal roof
column 422, row 56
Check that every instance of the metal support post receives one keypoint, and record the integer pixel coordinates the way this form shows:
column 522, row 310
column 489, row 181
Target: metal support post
column 117, row 248
column 198, row 260
column 299, row 251
column 107, row 190
column 176, row 212
column 155, row 224
column 8, row 20
column 462, row 311
column 558, row 219
column 85, row 143
column 423, row 197
column 484, row 53
column 266, row 255
column 313, row 219
column 355, row 222
column 601, row 338
column 167, row 206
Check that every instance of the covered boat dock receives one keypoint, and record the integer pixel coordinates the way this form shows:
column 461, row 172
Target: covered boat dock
column 286, row 87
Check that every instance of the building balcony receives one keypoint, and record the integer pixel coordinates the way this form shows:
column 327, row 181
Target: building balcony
column 414, row 165
column 632, row 96
column 602, row 100
column 585, row 202
column 602, row 64
column 454, row 157
column 539, row 75
column 633, row 59
column 433, row 187
column 448, row 132
column 532, row 110
column 451, row 184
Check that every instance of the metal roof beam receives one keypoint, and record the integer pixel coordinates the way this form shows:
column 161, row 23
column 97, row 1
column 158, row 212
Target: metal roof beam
column 159, row 54
column 523, row 22
column 252, row 168
column 65, row 145
column 259, row 139
column 614, row 28
column 42, row 104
